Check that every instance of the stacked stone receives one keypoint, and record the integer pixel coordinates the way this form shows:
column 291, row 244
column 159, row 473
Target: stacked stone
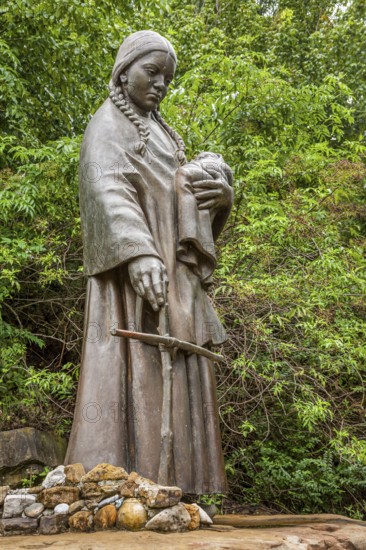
column 107, row 497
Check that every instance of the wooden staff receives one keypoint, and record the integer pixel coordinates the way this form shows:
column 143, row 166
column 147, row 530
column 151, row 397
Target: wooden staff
column 169, row 342
column 166, row 449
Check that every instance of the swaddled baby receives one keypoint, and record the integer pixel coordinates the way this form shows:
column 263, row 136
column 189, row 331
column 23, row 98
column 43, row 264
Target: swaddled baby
column 201, row 172
column 204, row 193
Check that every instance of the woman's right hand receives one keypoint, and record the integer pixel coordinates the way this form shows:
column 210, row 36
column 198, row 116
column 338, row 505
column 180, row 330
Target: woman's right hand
column 149, row 279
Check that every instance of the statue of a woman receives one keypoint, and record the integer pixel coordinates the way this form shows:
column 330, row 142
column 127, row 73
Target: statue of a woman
column 149, row 219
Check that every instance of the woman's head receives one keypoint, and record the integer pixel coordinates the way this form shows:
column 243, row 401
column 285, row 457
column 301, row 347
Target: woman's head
column 145, row 82
column 144, row 67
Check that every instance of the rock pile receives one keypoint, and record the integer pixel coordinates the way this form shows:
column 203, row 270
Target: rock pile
column 107, row 497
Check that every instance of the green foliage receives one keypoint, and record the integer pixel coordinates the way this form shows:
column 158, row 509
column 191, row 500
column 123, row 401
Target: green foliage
column 40, row 227
column 277, row 87
column 34, row 478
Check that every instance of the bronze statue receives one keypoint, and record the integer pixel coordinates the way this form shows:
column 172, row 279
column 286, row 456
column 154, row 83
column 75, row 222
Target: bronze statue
column 149, row 221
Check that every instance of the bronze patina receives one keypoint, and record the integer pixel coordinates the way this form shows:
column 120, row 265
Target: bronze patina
column 149, row 220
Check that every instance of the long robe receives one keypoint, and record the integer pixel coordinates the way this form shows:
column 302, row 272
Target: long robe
column 130, row 207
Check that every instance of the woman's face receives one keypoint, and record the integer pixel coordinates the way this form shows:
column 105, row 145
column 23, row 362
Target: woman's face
column 147, row 79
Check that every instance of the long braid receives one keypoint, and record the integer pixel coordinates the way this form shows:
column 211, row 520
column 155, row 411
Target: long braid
column 175, row 136
column 116, row 95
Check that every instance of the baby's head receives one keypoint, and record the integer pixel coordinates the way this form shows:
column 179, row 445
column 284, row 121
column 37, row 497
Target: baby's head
column 215, row 166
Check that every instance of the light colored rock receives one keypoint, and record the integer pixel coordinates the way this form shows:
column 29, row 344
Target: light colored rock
column 158, row 496
column 3, row 492
column 56, row 495
column 52, row 525
column 76, row 506
column 55, row 477
column 81, row 521
column 18, row 526
column 105, row 518
column 194, row 512
column 210, row 509
column 132, row 515
column 14, row 505
column 106, row 501
column 174, row 519
column 204, row 517
column 47, row 512
column 61, row 508
column 34, row 510
column 74, row 472
column 105, row 472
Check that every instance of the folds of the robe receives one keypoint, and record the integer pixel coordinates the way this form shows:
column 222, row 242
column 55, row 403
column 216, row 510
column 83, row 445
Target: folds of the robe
column 118, row 412
column 129, row 209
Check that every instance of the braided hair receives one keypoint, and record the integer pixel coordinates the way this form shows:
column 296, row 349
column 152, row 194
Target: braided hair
column 181, row 157
column 118, row 98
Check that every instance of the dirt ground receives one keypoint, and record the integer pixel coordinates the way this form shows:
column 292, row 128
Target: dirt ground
column 308, row 537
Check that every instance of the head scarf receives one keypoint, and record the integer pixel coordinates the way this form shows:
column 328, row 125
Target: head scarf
column 137, row 45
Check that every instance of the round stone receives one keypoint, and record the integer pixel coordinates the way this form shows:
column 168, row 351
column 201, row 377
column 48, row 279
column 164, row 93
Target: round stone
column 62, row 508
column 132, row 515
column 34, row 510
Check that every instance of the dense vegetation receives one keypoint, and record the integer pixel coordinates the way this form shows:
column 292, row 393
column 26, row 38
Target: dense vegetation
column 279, row 88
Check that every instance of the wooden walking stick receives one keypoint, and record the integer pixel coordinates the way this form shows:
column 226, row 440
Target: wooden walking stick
column 166, row 449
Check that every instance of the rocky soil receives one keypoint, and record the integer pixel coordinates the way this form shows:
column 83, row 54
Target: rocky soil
column 310, row 537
